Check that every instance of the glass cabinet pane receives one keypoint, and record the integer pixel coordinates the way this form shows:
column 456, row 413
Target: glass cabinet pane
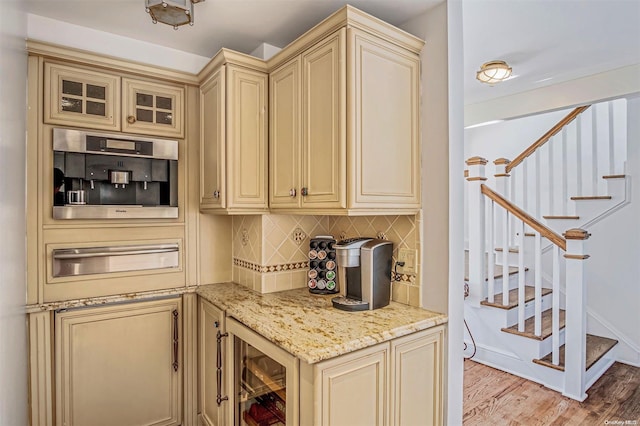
column 71, row 105
column 163, row 103
column 164, row 117
column 96, row 108
column 96, row 92
column 260, row 387
column 71, row 87
column 142, row 99
column 145, row 115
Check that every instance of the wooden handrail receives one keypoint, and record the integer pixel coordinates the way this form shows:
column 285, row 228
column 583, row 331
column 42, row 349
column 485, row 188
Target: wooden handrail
column 522, row 215
column 537, row 144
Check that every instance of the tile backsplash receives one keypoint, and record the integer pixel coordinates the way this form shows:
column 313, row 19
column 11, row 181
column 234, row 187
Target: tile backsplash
column 270, row 252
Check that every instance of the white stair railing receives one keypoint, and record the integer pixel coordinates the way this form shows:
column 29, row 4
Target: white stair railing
column 488, row 231
column 567, row 161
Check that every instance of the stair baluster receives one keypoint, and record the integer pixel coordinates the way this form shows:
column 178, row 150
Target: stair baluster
column 538, row 286
column 491, row 253
column 521, row 276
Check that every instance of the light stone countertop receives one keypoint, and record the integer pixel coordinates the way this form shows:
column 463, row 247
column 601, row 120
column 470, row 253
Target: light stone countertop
column 309, row 327
column 105, row 300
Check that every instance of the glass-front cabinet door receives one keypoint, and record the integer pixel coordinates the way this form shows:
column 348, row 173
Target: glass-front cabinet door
column 265, row 380
column 81, row 98
column 152, row 108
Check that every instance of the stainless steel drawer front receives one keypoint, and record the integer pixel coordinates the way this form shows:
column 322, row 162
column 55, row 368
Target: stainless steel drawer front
column 102, row 260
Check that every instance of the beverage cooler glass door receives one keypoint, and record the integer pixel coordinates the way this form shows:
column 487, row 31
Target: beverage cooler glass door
column 265, row 380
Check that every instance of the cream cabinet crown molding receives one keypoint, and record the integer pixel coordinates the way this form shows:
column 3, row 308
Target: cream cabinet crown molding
column 228, row 56
column 111, row 63
column 348, row 16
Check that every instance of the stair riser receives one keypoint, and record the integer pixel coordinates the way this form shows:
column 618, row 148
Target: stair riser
column 532, row 347
column 513, row 281
column 529, row 310
column 503, row 318
column 589, row 209
column 617, row 187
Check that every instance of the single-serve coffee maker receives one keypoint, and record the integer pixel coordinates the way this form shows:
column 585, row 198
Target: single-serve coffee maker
column 364, row 273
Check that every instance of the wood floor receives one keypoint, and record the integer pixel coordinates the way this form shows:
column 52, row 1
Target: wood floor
column 493, row 397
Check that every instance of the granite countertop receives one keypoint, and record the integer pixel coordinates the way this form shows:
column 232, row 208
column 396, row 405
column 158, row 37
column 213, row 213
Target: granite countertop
column 309, row 327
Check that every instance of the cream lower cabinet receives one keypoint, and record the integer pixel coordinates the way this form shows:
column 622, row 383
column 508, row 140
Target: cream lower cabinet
column 394, row 383
column 233, row 141
column 119, row 365
column 211, row 359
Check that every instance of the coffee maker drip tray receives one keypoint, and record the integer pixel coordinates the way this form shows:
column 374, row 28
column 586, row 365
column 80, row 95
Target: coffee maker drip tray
column 349, row 304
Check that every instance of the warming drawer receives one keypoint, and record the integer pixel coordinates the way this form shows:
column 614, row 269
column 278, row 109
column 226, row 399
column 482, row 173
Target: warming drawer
column 104, row 260
column 95, row 262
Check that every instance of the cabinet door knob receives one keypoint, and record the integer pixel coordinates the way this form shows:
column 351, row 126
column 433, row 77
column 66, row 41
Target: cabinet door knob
column 304, row 191
column 216, row 194
column 131, row 119
column 293, row 192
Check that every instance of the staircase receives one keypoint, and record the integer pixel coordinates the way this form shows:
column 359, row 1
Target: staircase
column 532, row 321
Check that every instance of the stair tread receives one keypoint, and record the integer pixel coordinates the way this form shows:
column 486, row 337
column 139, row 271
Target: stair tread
column 511, row 249
column 591, row 197
column 561, row 217
column 614, row 177
column 529, row 295
column 597, row 347
column 529, row 326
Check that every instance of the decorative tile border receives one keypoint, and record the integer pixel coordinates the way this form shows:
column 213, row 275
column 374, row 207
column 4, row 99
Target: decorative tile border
column 403, row 277
column 270, row 268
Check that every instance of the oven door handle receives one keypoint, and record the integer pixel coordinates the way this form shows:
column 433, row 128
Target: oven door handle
column 79, row 253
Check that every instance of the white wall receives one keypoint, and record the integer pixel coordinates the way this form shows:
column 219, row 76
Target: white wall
column 442, row 164
column 13, row 333
column 614, row 267
column 65, row 34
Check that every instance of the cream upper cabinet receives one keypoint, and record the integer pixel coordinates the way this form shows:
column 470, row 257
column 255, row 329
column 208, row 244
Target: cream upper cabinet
column 233, row 117
column 80, row 97
column 285, row 135
column 345, row 127
column 323, row 135
column 119, row 365
column 384, row 129
column 307, row 145
column 211, row 360
column 152, row 109
column 212, row 141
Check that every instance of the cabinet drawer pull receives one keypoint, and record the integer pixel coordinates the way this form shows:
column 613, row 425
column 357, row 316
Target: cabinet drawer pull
column 292, row 192
column 131, row 119
column 304, row 191
column 216, row 194
column 219, row 397
column 175, row 340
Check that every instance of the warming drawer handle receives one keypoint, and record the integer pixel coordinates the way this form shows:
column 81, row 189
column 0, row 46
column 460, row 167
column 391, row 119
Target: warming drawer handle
column 113, row 251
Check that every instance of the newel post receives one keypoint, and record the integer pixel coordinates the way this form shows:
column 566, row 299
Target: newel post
column 502, row 187
column 576, row 314
column 476, row 217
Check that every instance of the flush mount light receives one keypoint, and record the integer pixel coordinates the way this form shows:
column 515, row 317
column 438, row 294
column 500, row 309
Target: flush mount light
column 493, row 72
column 171, row 12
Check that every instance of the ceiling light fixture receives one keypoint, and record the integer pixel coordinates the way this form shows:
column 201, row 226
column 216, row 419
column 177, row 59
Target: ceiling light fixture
column 171, row 12
column 493, row 72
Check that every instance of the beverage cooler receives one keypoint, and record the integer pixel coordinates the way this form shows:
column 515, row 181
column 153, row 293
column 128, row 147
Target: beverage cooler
column 264, row 386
